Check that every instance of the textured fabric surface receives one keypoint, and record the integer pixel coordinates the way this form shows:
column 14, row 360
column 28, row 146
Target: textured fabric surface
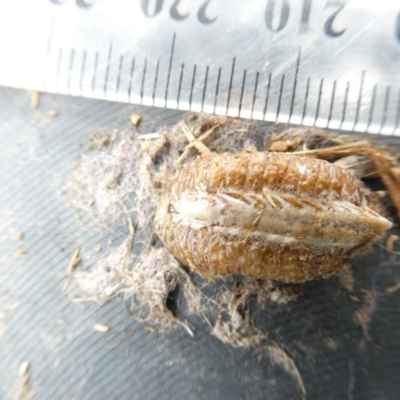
column 335, row 356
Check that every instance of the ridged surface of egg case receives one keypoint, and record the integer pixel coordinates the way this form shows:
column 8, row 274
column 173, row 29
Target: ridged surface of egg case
column 266, row 215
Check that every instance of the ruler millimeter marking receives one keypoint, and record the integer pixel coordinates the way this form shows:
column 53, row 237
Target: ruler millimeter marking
column 325, row 63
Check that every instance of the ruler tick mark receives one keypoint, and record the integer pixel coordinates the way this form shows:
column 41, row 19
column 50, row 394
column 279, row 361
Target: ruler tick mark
column 143, row 80
column 345, row 104
column 254, row 95
column 280, row 96
column 321, row 83
column 267, row 95
column 204, row 89
column 170, row 67
column 71, row 66
column 60, row 54
column 359, row 98
column 305, row 100
column 192, row 86
column 180, row 85
column 121, row 60
column 396, row 125
column 155, row 81
column 217, row 88
column 131, row 76
column 332, row 102
column 107, row 70
column 242, row 92
column 295, row 84
column 385, row 107
column 84, row 55
column 372, row 107
column 230, row 85
column 96, row 61
column 50, row 37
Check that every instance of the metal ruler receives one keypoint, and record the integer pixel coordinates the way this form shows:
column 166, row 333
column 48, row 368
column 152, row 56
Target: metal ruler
column 325, row 63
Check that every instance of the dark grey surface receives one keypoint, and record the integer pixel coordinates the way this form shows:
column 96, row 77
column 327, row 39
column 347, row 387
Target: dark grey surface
column 336, row 359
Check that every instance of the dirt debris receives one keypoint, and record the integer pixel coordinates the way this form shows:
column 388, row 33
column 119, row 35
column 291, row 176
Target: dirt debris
column 99, row 140
column 235, row 324
column 362, row 315
column 53, row 113
column 35, row 99
column 143, row 282
column 332, row 344
column 135, row 119
column 23, row 370
column 391, row 240
column 392, row 289
column 20, row 254
column 74, row 261
column 101, row 328
column 26, row 392
column 19, row 236
column 346, row 278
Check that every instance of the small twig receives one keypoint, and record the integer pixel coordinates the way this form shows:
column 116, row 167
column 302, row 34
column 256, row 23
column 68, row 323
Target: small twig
column 197, row 143
column 205, row 135
column 202, row 148
column 183, row 155
column 189, row 135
